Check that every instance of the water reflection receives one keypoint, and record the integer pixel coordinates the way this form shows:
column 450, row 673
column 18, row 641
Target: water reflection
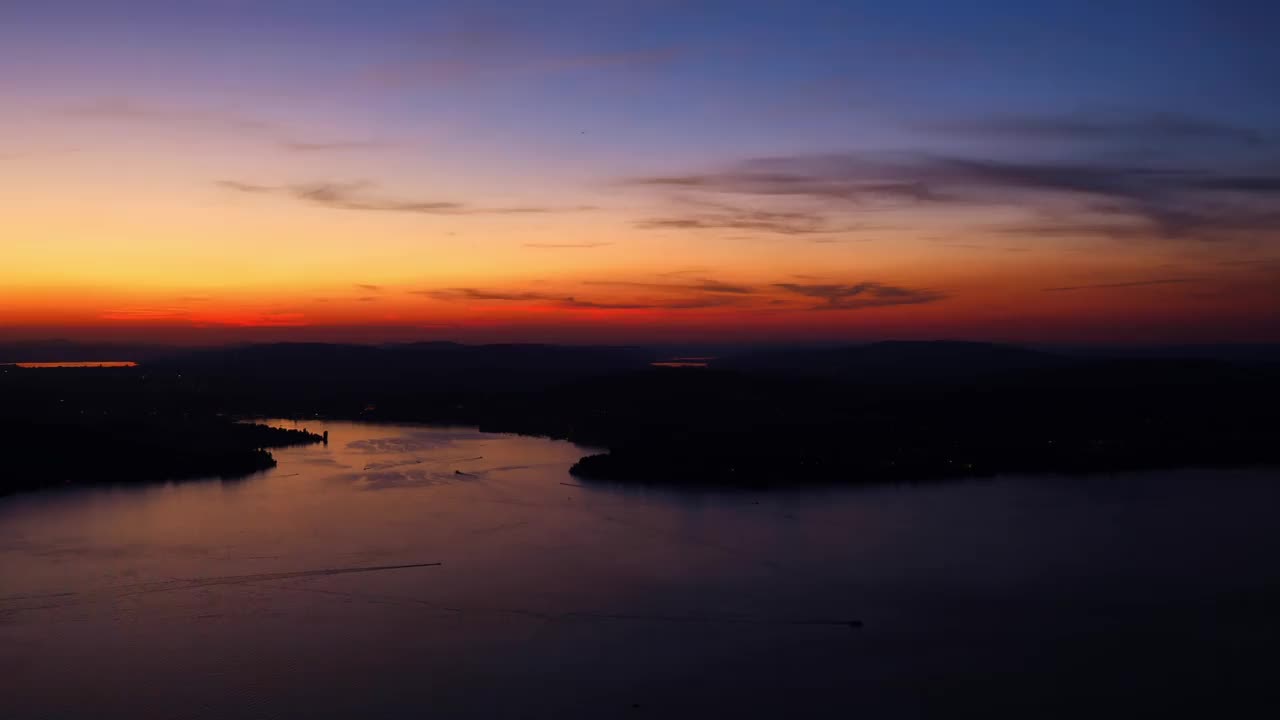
column 313, row 590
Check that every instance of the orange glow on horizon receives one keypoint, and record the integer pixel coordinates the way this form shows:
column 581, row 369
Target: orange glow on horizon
column 157, row 249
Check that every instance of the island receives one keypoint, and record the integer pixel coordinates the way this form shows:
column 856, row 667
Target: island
column 57, row 451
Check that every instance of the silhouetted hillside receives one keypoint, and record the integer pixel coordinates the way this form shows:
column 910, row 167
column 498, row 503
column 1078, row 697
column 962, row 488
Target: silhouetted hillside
column 859, row 414
column 899, row 360
column 71, row 351
column 437, row 364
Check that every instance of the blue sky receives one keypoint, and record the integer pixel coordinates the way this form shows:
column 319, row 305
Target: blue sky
column 735, row 136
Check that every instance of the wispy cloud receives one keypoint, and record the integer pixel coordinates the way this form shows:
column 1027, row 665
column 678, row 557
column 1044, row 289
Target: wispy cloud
column 245, row 187
column 782, row 223
column 707, row 286
column 444, row 70
column 574, row 302
column 861, row 295
column 848, row 178
column 705, row 293
column 216, row 120
column 691, row 303
column 699, row 213
column 204, row 318
column 347, row 196
column 121, row 108
column 476, row 46
column 1108, row 127
column 1098, row 198
column 303, row 146
column 363, row 196
column 145, row 313
column 1131, row 284
column 681, row 272
column 368, row 288
column 467, row 293
column 1254, row 262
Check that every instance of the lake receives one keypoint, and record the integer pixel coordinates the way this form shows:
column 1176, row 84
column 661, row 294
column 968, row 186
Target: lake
column 313, row 590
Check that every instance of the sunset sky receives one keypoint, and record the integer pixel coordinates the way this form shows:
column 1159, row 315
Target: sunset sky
column 653, row 170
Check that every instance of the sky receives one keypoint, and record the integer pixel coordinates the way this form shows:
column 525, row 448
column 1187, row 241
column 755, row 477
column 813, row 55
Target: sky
column 640, row 171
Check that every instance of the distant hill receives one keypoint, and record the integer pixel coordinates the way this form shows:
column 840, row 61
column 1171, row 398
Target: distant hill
column 899, row 360
column 508, row 364
column 73, row 351
column 411, row 364
column 1235, row 353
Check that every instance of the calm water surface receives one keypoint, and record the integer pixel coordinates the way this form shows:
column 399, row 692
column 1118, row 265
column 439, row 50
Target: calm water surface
column 1022, row 597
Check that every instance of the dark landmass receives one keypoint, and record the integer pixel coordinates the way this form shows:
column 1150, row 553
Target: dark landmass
column 57, row 440
column 869, row 413
column 69, row 351
column 897, row 361
column 492, row 365
column 1078, row 419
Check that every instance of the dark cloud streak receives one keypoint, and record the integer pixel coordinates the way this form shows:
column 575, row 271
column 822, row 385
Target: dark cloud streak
column 211, row 120
column 359, row 196
column 1105, row 198
column 707, row 293
column 572, row 302
column 707, row 286
column 705, row 215
column 1108, row 127
column 1135, row 283
column 861, row 295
